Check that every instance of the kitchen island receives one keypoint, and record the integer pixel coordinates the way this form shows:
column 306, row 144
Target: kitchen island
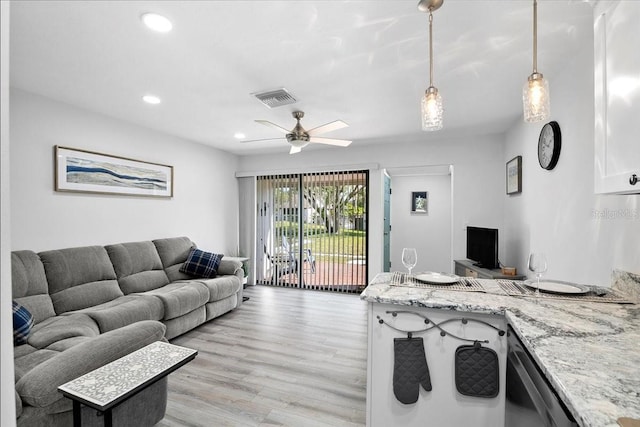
column 589, row 352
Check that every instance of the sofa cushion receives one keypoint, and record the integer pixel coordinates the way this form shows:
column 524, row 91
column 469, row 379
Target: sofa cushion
column 25, row 363
column 79, row 277
column 179, row 325
column 58, row 328
column 173, row 253
column 124, row 311
column 22, row 324
column 137, row 266
column 174, row 274
column 39, row 386
column 67, row 343
column 180, row 298
column 222, row 287
column 86, row 295
column 173, row 250
column 201, row 264
column 29, row 285
column 220, row 307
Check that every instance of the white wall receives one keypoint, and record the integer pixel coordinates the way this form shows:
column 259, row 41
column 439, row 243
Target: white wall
column 7, row 402
column 430, row 234
column 204, row 206
column 558, row 212
column 478, row 181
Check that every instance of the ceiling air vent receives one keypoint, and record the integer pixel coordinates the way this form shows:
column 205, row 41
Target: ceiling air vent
column 275, row 98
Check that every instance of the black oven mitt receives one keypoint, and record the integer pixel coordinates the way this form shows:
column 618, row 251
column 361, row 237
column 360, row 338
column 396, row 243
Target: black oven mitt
column 410, row 369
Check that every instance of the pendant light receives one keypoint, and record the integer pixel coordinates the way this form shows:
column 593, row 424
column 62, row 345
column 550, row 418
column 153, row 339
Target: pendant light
column 431, row 101
column 535, row 93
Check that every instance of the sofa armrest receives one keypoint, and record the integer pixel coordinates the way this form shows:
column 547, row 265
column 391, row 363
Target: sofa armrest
column 230, row 267
column 39, row 387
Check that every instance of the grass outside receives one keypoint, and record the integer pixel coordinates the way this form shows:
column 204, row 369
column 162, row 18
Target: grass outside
column 349, row 244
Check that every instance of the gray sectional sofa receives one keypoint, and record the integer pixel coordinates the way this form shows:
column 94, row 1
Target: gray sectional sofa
column 92, row 305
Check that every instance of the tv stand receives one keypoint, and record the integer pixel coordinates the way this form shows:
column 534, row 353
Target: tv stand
column 467, row 268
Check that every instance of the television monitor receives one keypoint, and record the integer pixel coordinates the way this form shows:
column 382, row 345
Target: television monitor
column 482, row 246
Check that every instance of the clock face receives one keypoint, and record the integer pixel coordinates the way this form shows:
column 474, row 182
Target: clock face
column 549, row 145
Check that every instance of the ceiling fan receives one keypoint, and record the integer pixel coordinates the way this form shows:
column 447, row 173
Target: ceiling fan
column 298, row 137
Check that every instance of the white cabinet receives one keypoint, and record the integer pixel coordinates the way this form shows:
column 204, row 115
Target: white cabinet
column 617, row 96
column 443, row 405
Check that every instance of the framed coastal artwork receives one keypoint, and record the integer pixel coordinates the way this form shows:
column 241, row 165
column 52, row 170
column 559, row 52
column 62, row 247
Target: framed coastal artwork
column 419, row 202
column 514, row 175
column 90, row 172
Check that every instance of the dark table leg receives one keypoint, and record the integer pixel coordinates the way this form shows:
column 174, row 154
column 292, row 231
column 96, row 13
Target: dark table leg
column 77, row 414
column 107, row 418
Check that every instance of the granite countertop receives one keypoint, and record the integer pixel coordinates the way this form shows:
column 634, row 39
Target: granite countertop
column 589, row 352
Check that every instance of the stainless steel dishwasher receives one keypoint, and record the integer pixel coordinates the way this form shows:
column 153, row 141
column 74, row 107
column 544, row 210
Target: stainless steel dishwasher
column 530, row 399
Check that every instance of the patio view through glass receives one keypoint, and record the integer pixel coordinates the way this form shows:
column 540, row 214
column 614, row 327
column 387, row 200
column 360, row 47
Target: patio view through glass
column 312, row 230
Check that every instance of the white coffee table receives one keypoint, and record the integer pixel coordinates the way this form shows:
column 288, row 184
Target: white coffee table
column 108, row 386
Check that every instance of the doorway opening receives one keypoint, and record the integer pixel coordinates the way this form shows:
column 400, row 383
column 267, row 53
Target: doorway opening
column 428, row 229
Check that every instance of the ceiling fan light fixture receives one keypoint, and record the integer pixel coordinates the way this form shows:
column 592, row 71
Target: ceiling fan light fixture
column 535, row 93
column 431, row 105
column 298, row 140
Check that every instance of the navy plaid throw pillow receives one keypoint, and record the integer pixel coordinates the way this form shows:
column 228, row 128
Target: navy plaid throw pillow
column 22, row 324
column 201, row 264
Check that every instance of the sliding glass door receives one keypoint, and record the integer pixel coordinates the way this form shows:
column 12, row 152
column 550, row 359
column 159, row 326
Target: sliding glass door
column 312, row 230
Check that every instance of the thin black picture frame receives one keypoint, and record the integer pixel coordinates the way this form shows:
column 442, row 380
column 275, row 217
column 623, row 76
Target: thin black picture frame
column 514, row 175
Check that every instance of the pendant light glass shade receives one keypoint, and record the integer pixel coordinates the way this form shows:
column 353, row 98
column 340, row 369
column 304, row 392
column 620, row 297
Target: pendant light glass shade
column 535, row 97
column 431, row 110
column 535, row 93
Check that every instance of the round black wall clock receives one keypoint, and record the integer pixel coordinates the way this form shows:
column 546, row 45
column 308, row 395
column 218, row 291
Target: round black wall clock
column 549, row 144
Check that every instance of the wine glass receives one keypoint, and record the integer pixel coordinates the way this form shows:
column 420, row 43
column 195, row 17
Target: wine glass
column 538, row 265
column 409, row 258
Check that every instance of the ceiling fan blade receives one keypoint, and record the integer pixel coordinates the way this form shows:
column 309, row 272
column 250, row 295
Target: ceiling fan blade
column 273, row 125
column 295, row 150
column 265, row 139
column 330, row 141
column 328, row 127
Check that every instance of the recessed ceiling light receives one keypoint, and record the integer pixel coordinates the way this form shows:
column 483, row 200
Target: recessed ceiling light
column 151, row 99
column 157, row 22
column 239, row 135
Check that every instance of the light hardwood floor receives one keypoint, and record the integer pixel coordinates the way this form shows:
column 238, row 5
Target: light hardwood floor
column 286, row 357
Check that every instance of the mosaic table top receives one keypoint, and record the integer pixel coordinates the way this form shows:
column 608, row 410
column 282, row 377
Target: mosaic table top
column 107, row 384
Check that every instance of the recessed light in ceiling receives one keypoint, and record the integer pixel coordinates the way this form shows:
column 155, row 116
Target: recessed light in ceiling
column 151, row 99
column 157, row 22
column 239, row 135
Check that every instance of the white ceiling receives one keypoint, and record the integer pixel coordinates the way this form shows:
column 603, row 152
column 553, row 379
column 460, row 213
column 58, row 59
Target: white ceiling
column 364, row 62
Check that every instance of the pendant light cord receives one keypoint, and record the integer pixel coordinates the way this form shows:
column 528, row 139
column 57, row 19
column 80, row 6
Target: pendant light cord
column 430, row 48
column 535, row 36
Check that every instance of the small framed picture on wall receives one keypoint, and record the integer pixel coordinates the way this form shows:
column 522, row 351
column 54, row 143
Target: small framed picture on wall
column 419, row 202
column 514, row 175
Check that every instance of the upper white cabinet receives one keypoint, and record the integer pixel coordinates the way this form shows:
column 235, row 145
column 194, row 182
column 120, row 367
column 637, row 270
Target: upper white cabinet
column 617, row 96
